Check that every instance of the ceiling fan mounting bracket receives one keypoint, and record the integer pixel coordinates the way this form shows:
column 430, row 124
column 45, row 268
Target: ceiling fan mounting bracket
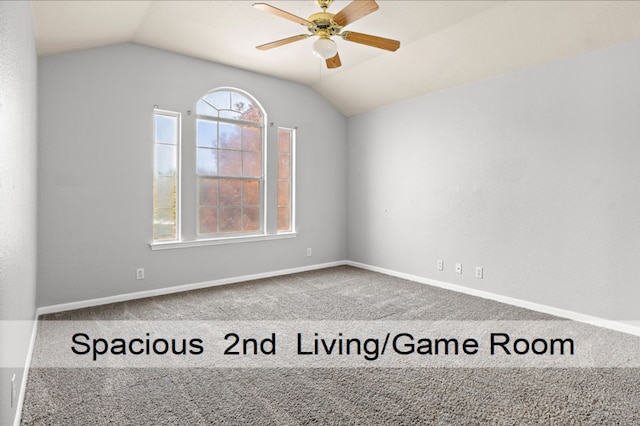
column 324, row 4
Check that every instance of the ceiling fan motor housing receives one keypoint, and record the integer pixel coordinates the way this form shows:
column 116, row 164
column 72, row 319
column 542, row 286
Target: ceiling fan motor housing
column 322, row 25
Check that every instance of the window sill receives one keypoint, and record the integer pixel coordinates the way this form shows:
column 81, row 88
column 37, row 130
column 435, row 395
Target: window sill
column 219, row 241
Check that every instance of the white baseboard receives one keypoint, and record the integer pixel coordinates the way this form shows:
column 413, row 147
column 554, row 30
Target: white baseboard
column 629, row 327
column 176, row 289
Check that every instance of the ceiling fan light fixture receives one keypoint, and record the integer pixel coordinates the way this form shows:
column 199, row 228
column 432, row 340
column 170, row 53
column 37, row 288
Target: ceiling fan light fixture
column 325, row 48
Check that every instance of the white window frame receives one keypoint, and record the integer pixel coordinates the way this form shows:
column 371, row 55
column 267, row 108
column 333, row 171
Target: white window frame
column 292, row 179
column 262, row 180
column 268, row 232
column 178, row 116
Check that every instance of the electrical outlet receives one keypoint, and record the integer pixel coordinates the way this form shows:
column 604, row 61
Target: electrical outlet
column 308, row 252
column 458, row 268
column 140, row 274
column 479, row 272
column 13, row 390
column 440, row 265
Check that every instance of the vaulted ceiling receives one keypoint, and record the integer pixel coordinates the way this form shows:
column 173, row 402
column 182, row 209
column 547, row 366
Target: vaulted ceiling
column 443, row 43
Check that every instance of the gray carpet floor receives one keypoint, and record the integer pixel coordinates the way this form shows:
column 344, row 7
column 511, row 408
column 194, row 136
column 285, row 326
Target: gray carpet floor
column 334, row 396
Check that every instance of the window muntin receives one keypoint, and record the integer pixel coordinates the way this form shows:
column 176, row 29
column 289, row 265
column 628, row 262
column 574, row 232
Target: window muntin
column 229, row 164
column 286, row 141
column 166, row 131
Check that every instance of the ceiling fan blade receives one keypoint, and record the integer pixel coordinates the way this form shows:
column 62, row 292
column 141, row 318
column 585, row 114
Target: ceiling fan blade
column 281, row 42
column 369, row 40
column 281, row 13
column 334, row 62
column 354, row 11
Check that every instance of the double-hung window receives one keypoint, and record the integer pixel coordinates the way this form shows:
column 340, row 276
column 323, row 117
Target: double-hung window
column 230, row 164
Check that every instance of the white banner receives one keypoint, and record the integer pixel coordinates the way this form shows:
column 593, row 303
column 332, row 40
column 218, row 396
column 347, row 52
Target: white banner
column 328, row 344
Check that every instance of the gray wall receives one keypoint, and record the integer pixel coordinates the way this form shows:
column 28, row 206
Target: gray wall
column 18, row 153
column 533, row 175
column 96, row 166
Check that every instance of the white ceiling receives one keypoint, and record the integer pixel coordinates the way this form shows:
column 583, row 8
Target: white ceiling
column 443, row 43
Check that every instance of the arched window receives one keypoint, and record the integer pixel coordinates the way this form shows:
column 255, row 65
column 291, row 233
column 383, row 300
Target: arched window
column 230, row 163
column 233, row 201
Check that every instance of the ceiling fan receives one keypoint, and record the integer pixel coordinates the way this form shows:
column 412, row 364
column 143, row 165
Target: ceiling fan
column 325, row 25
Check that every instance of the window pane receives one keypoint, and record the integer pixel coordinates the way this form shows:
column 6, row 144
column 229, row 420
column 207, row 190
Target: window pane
column 208, row 220
column 208, row 192
column 253, row 114
column 230, row 219
column 230, row 136
column 251, row 193
column 239, row 102
column 283, row 193
column 251, row 166
column 284, row 166
column 207, row 134
column 207, row 162
column 230, row 193
column 166, row 129
column 165, row 192
column 249, row 111
column 251, row 218
column 284, row 141
column 283, row 219
column 203, row 108
column 164, row 224
column 251, row 138
column 230, row 163
column 219, row 99
column 231, row 115
column 166, row 160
